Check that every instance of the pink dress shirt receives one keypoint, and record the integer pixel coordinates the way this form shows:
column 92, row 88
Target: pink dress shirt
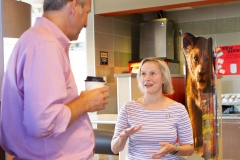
column 37, row 84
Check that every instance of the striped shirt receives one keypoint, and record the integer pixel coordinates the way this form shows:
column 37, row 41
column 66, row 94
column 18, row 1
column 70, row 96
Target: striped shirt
column 165, row 125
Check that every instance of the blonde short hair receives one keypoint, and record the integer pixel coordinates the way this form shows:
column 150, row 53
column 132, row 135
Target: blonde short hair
column 163, row 67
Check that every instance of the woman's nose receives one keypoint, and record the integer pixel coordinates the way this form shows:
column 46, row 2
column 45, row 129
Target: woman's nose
column 147, row 76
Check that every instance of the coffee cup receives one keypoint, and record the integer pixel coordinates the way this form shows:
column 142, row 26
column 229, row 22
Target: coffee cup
column 92, row 82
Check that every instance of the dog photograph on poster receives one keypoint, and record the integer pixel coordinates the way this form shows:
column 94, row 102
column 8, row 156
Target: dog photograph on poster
column 200, row 93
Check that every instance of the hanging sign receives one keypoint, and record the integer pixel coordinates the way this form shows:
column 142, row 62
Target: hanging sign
column 103, row 58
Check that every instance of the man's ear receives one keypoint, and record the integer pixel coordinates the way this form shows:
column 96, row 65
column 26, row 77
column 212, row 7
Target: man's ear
column 73, row 6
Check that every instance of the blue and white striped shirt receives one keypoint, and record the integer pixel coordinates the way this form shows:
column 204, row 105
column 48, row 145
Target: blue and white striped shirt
column 166, row 125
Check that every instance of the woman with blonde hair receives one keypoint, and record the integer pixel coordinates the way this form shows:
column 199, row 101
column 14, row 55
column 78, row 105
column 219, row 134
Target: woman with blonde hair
column 153, row 123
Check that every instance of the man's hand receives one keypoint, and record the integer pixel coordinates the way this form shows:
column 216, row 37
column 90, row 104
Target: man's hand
column 95, row 99
column 88, row 101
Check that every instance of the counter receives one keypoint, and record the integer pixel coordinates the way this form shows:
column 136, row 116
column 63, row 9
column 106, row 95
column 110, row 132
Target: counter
column 231, row 116
column 230, row 136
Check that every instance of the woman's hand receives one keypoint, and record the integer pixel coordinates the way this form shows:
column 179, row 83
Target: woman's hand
column 118, row 143
column 129, row 131
column 166, row 149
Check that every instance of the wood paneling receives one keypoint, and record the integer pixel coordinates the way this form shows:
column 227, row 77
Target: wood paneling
column 231, row 139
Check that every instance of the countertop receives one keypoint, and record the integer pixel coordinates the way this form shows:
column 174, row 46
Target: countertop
column 231, row 116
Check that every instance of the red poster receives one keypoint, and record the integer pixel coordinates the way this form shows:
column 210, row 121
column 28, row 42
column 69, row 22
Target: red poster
column 228, row 60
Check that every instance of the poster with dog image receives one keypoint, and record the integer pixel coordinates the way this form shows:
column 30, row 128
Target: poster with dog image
column 200, row 101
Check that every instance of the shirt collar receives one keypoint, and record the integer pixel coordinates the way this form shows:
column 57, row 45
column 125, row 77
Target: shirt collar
column 60, row 36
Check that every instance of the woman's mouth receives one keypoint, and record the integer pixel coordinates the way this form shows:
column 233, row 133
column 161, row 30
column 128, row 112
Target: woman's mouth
column 148, row 85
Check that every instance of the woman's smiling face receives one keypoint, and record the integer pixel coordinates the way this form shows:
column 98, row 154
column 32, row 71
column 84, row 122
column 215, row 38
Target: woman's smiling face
column 151, row 77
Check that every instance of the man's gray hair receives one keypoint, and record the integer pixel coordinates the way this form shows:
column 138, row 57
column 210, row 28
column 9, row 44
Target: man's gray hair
column 51, row 5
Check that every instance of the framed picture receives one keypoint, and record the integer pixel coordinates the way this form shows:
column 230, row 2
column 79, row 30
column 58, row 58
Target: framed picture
column 103, row 58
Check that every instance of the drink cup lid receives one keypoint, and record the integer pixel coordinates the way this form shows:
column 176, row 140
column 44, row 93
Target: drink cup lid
column 94, row 79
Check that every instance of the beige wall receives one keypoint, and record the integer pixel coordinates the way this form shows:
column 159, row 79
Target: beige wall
column 222, row 23
column 90, row 45
column 219, row 22
column 119, row 36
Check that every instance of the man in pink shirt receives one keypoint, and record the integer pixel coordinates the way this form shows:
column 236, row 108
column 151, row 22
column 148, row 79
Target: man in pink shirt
column 43, row 117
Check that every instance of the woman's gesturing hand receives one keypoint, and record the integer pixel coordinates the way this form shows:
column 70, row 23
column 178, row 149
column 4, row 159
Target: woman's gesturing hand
column 129, row 131
column 166, row 149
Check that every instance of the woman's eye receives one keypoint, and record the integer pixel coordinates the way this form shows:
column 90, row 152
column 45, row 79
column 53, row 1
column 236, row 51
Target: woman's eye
column 143, row 74
column 152, row 73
